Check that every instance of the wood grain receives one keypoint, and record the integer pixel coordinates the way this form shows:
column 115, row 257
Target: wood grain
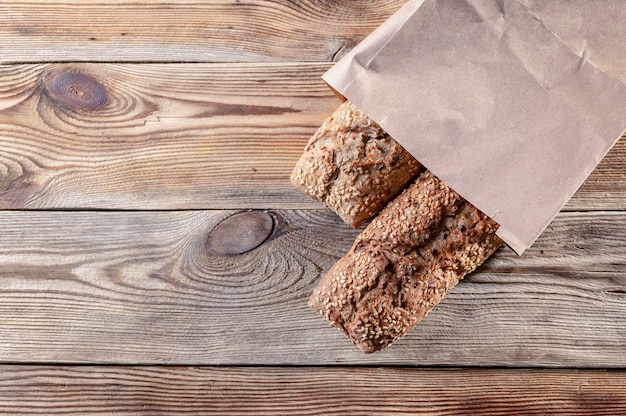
column 142, row 288
column 161, row 137
column 189, row 31
column 307, row 391
column 193, row 136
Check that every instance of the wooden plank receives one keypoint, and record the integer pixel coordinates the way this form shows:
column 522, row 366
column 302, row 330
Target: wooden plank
column 192, row 136
column 306, row 391
column 189, row 31
column 147, row 288
column 156, row 136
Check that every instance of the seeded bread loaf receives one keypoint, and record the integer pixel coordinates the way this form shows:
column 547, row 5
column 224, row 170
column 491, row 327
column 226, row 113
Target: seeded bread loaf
column 403, row 263
column 353, row 166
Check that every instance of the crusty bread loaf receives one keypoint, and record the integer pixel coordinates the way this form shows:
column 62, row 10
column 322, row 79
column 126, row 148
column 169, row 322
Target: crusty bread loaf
column 403, row 263
column 353, row 166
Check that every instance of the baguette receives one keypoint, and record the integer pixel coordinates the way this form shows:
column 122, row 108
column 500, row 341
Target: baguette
column 414, row 252
column 353, row 166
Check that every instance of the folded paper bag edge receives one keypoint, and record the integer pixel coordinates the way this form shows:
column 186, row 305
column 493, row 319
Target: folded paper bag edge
column 359, row 58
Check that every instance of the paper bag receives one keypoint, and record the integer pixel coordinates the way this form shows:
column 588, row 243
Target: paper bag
column 512, row 103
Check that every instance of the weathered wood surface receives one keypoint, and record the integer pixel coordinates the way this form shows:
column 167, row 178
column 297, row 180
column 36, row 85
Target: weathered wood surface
column 156, row 136
column 306, row 391
column 189, row 31
column 179, row 136
column 144, row 288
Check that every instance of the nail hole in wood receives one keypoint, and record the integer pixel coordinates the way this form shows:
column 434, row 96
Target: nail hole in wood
column 240, row 233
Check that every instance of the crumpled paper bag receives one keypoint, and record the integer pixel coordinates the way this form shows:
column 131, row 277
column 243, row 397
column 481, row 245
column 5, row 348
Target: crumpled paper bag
column 512, row 103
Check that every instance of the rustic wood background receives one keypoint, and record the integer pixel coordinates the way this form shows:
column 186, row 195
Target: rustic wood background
column 131, row 131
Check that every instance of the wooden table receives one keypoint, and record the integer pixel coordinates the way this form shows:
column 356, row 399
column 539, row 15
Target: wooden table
column 129, row 131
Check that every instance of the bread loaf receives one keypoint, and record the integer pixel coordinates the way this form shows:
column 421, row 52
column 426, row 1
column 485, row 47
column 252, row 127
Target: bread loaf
column 403, row 263
column 353, row 166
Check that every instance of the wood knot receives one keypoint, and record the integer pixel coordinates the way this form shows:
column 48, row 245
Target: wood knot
column 76, row 91
column 240, row 233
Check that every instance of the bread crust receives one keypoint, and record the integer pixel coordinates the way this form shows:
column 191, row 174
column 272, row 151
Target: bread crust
column 414, row 252
column 353, row 166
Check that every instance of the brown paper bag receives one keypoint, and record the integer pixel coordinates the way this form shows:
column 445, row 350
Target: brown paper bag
column 512, row 103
